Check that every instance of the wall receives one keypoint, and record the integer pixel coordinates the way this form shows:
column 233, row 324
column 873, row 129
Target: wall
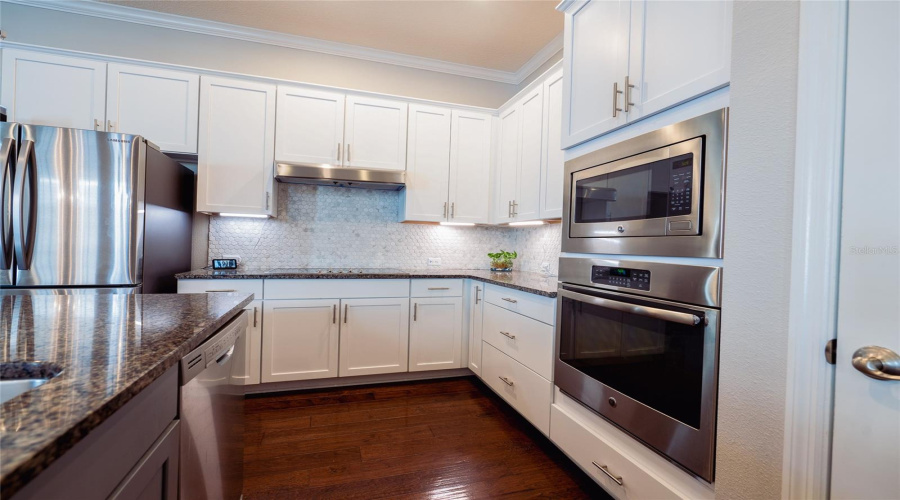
column 64, row 30
column 758, row 209
column 341, row 227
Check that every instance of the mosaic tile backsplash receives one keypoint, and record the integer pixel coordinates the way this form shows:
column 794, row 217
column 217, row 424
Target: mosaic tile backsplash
column 339, row 227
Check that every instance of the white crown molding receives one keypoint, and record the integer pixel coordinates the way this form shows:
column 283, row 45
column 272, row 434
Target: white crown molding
column 225, row 30
column 565, row 4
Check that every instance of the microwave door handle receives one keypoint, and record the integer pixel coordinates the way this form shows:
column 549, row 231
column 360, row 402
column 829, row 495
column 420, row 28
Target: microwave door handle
column 8, row 158
column 24, row 236
column 651, row 312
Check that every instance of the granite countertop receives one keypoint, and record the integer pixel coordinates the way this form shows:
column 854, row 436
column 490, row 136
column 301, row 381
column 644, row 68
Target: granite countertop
column 106, row 348
column 535, row 283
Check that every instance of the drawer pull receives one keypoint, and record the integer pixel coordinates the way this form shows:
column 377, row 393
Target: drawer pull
column 507, row 381
column 439, row 288
column 605, row 470
column 221, row 291
column 514, row 301
column 508, row 335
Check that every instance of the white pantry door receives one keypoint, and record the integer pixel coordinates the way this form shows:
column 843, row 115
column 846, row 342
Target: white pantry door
column 866, row 442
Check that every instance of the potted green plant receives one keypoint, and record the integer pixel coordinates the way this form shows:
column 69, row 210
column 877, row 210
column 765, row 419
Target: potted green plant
column 502, row 260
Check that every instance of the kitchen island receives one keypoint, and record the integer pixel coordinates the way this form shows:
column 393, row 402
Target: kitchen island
column 100, row 352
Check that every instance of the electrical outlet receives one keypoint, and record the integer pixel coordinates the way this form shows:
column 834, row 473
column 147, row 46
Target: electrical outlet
column 434, row 261
column 235, row 257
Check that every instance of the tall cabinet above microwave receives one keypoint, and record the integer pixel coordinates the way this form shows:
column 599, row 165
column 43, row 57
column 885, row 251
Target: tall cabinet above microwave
column 660, row 193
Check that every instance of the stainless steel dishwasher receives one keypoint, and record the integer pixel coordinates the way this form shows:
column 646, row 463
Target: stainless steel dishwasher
column 212, row 416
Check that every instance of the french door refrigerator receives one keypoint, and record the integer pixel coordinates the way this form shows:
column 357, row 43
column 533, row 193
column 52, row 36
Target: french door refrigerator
column 91, row 212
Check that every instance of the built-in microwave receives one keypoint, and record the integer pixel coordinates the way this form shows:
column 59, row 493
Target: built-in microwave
column 660, row 193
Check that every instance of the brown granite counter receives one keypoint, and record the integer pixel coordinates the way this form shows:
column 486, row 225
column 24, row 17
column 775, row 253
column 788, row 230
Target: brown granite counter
column 108, row 348
column 535, row 283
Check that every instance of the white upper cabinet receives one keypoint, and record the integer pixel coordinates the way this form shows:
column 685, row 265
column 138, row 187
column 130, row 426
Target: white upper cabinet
column 526, row 204
column 554, row 161
column 686, row 48
column 435, row 334
column 310, row 126
column 627, row 59
column 507, row 163
column 428, row 165
column 375, row 133
column 236, row 147
column 159, row 104
column 470, row 166
column 595, row 60
column 58, row 91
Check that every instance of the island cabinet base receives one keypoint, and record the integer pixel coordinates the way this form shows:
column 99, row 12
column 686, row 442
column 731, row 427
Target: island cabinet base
column 134, row 452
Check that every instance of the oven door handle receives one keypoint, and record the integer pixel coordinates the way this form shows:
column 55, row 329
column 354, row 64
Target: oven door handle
column 652, row 312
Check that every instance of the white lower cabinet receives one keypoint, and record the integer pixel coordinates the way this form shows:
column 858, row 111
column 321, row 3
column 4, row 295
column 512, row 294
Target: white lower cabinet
column 476, row 313
column 374, row 336
column 435, row 334
column 252, row 345
column 526, row 391
column 527, row 341
column 300, row 340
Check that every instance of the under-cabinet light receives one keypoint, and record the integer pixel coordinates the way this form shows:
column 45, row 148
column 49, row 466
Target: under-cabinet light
column 527, row 223
column 457, row 223
column 244, row 215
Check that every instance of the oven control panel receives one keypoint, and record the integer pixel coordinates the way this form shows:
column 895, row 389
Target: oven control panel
column 638, row 279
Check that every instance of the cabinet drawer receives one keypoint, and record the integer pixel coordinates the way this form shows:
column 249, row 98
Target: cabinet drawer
column 590, row 452
column 436, row 288
column 335, row 289
column 534, row 306
column 527, row 341
column 523, row 389
column 206, row 286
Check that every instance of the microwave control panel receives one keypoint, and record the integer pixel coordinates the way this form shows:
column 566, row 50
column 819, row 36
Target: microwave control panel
column 680, row 185
column 638, row 279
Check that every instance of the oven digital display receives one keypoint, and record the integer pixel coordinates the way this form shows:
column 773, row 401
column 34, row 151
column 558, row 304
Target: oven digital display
column 620, row 271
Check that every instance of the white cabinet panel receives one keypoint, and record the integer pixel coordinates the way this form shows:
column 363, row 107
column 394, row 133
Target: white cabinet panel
column 679, row 50
column 58, row 91
column 508, row 163
column 435, row 334
column 374, row 336
column 428, row 165
column 596, row 43
column 249, row 365
column 470, row 167
column 300, row 340
column 236, row 147
column 526, row 204
column 476, row 312
column 222, row 285
column 528, row 341
column 554, row 161
column 159, row 104
column 526, row 391
column 534, row 306
column 375, row 133
column 436, row 287
column 335, row 288
column 310, row 126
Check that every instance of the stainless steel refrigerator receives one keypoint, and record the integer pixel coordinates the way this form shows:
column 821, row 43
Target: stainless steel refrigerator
column 91, row 212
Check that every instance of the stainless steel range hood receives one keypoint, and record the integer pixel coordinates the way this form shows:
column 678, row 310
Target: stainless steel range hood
column 391, row 180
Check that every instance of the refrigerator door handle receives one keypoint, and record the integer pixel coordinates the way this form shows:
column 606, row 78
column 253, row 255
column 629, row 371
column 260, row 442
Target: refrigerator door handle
column 24, row 236
column 8, row 158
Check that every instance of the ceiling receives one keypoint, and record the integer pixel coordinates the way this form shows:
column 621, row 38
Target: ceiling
column 500, row 35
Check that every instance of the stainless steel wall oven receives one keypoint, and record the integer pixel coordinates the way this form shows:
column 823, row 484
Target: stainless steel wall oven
column 661, row 193
column 638, row 342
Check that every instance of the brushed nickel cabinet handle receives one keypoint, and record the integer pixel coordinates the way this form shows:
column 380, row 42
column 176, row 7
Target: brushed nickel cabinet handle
column 415, row 311
column 604, row 469
column 439, row 288
column 445, row 210
column 628, row 87
column 339, row 153
column 616, row 93
column 509, row 210
column 453, row 210
column 508, row 335
column 255, row 310
column 345, row 313
column 515, row 209
column 477, row 290
column 348, row 153
column 221, row 291
column 514, row 301
column 507, row 381
column 334, row 314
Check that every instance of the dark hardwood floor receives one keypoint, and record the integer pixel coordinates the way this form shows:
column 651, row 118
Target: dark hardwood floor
column 441, row 439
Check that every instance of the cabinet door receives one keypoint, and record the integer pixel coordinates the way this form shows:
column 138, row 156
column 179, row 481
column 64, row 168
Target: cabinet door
column 236, row 147
column 300, row 339
column 155, row 477
column 375, row 133
column 679, row 50
column 249, row 365
column 595, row 57
column 554, row 162
column 507, row 163
column 470, row 167
column 310, row 126
column 435, row 334
column 58, row 91
column 526, row 204
column 476, row 313
column 374, row 336
column 428, row 165
column 159, row 104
